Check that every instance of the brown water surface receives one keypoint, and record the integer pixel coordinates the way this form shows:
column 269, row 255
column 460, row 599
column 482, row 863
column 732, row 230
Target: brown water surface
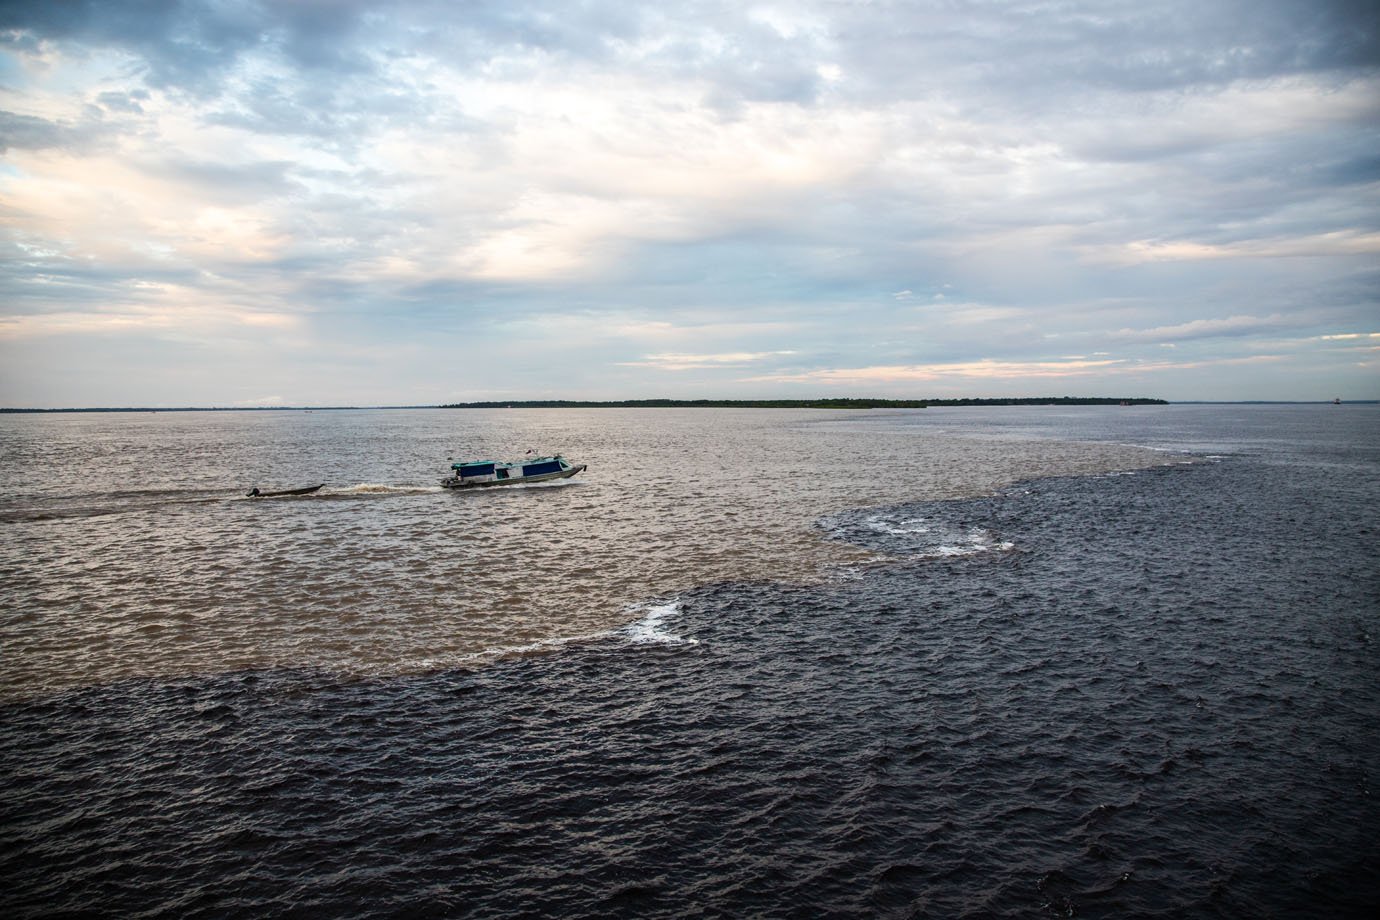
column 129, row 549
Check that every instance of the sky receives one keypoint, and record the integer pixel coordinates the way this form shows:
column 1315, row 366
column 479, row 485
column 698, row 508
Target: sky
column 339, row 202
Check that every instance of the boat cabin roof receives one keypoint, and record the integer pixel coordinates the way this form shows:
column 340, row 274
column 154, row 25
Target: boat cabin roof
column 525, row 461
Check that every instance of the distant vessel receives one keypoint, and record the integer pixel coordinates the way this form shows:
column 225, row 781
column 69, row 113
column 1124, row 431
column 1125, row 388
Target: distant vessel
column 305, row 490
column 1337, row 401
column 474, row 473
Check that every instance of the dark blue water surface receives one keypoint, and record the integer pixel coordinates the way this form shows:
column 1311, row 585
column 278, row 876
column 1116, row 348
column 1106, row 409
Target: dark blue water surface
column 1153, row 694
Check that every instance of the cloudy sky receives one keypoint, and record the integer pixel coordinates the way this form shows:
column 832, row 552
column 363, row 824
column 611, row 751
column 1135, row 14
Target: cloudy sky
column 225, row 202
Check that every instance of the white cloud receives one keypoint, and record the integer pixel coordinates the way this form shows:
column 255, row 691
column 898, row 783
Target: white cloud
column 983, row 369
column 889, row 189
column 1337, row 243
column 1206, row 328
column 679, row 362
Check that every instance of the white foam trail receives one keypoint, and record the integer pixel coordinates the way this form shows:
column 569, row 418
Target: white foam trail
column 379, row 488
column 651, row 629
column 531, row 648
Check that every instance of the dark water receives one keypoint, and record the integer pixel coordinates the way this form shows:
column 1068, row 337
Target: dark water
column 1153, row 693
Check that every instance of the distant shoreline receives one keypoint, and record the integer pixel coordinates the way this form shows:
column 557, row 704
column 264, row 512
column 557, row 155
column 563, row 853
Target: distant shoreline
column 724, row 404
column 841, row 403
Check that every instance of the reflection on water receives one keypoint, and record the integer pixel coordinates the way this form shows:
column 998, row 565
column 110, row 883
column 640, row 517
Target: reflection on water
column 130, row 549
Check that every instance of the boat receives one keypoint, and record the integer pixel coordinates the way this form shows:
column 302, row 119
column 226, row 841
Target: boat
column 469, row 474
column 305, row 490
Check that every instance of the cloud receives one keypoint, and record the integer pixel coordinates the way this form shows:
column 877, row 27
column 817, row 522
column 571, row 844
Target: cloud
column 168, row 313
column 1232, row 326
column 28, row 132
column 983, row 369
column 907, row 186
column 678, row 362
column 1344, row 243
column 997, row 371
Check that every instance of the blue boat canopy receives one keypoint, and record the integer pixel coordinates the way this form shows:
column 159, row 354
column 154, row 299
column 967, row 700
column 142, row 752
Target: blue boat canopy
column 541, row 468
column 476, row 468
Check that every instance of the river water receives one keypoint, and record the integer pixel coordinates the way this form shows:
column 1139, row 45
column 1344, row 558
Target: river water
column 135, row 553
column 985, row 662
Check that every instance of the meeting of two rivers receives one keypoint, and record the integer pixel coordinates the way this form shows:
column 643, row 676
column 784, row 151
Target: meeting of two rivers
column 983, row 661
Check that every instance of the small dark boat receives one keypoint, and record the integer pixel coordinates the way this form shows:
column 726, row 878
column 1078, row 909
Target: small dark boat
column 306, row 490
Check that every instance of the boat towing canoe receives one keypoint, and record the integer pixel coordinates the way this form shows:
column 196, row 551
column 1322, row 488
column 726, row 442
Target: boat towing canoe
column 305, row 490
column 471, row 474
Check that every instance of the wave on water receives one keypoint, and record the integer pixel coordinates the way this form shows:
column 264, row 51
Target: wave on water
column 648, row 629
column 511, row 486
column 651, row 629
column 378, row 488
column 99, row 504
column 905, row 532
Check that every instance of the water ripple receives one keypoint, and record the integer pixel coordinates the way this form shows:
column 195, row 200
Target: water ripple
column 1161, row 701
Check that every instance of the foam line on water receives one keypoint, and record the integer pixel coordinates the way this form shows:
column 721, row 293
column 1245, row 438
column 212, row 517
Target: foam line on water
column 379, row 488
column 880, row 524
column 527, row 648
column 651, row 628
column 925, row 538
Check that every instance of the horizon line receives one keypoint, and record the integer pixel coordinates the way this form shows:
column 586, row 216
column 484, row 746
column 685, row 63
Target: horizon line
column 688, row 403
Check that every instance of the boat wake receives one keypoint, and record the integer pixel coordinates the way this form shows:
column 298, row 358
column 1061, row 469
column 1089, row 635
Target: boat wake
column 77, row 507
column 379, row 488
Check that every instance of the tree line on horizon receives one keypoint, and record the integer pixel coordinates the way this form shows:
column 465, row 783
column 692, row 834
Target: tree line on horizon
column 833, row 403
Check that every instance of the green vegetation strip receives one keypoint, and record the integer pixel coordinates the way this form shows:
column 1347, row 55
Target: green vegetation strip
column 800, row 403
